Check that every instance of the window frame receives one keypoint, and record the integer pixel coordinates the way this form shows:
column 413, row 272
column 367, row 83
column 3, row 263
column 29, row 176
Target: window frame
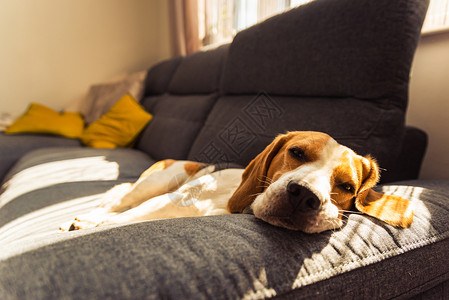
column 245, row 13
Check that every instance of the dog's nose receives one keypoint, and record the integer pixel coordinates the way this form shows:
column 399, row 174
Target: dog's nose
column 302, row 198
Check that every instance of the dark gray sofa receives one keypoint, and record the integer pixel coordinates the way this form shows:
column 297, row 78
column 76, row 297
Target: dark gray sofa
column 337, row 66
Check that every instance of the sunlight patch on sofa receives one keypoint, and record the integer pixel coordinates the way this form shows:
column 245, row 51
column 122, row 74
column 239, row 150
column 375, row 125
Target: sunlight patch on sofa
column 362, row 242
column 41, row 227
column 422, row 215
column 261, row 291
column 95, row 168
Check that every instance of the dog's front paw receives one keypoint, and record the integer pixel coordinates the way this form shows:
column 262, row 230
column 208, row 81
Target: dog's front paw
column 82, row 224
column 89, row 220
column 66, row 226
column 77, row 224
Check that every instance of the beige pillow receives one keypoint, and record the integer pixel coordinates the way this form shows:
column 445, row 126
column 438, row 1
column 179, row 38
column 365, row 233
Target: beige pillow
column 101, row 97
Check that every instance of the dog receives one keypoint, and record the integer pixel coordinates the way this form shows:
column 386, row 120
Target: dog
column 302, row 181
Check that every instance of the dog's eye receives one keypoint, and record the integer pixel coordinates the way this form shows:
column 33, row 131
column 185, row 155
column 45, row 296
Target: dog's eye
column 347, row 187
column 297, row 153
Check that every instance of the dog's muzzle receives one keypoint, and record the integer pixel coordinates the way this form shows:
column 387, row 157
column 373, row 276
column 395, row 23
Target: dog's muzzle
column 301, row 198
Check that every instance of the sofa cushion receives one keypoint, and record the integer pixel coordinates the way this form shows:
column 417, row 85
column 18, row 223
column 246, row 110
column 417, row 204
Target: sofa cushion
column 41, row 119
column 199, row 73
column 118, row 127
column 15, row 146
column 224, row 257
column 54, row 184
column 181, row 104
column 365, row 52
column 101, row 97
column 160, row 75
column 177, row 120
column 239, row 127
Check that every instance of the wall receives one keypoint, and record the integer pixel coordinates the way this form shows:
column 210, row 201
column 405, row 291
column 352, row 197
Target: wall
column 429, row 101
column 52, row 50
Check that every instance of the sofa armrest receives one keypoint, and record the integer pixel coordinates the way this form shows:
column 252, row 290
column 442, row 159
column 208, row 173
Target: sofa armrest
column 12, row 147
column 408, row 164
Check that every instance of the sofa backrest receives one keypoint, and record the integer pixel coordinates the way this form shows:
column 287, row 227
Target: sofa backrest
column 180, row 94
column 340, row 67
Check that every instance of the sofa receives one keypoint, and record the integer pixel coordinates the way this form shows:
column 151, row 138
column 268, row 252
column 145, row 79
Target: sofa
column 336, row 66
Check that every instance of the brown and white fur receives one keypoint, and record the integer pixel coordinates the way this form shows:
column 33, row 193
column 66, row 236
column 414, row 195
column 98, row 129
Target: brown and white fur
column 301, row 181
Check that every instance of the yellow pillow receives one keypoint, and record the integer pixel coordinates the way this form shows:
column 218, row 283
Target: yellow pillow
column 119, row 126
column 41, row 119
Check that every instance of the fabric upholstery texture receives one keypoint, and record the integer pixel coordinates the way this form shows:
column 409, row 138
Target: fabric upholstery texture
column 199, row 73
column 181, row 105
column 54, row 175
column 246, row 124
column 175, row 124
column 15, row 146
column 160, row 75
column 411, row 156
column 366, row 56
column 220, row 257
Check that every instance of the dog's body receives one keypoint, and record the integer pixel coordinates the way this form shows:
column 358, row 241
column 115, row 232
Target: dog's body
column 301, row 181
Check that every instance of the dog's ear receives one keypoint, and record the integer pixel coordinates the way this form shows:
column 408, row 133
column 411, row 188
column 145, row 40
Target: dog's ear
column 254, row 179
column 393, row 210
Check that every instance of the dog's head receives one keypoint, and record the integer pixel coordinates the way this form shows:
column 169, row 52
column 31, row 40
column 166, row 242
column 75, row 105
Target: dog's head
column 306, row 180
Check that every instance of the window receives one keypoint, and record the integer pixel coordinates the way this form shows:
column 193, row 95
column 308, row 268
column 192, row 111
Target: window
column 220, row 20
column 437, row 18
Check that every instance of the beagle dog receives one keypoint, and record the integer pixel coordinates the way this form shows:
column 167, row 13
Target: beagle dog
column 301, row 181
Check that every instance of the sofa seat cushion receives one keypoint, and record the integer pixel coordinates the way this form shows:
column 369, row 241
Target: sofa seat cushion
column 14, row 146
column 219, row 257
column 50, row 186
